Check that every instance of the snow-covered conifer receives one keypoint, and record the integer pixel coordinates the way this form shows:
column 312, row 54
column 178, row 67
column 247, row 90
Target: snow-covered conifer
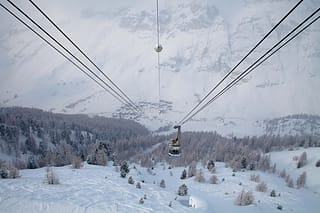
column 273, row 193
column 124, row 169
column 130, row 180
column 162, row 184
column 183, row 190
column 210, row 165
column 183, row 175
column 141, row 201
column 138, row 185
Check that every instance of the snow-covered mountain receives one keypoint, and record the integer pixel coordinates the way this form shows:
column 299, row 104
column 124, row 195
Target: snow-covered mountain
column 202, row 41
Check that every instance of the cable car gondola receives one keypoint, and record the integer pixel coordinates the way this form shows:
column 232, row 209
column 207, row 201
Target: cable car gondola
column 175, row 144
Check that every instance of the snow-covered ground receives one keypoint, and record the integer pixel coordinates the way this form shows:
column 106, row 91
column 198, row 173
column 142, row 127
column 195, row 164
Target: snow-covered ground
column 287, row 162
column 101, row 189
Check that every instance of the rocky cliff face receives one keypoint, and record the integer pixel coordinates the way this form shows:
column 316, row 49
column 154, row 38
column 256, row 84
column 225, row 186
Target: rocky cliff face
column 202, row 41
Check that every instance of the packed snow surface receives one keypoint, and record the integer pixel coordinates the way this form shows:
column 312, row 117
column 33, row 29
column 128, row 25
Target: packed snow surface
column 101, row 189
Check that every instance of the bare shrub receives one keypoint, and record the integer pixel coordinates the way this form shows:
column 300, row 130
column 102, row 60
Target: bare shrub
column 274, row 168
column 261, row 187
column 8, row 172
column 301, row 181
column 290, row 183
column 52, row 177
column 255, row 178
column 13, row 172
column 76, row 162
column 295, row 158
column 283, row 174
column 302, row 160
column 2, row 163
column 236, row 165
column 200, row 177
column 244, row 198
column 213, row 170
column 213, row 179
column 192, row 171
column 19, row 164
column 273, row 193
column 264, row 163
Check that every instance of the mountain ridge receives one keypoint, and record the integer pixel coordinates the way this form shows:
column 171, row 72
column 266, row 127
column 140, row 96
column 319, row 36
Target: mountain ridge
column 201, row 40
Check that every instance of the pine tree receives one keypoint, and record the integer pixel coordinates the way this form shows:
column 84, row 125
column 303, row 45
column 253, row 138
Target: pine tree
column 183, row 175
column 31, row 163
column 162, row 184
column 244, row 162
column 210, row 165
column 183, row 190
column 124, row 169
column 138, row 185
column 273, row 193
column 130, row 180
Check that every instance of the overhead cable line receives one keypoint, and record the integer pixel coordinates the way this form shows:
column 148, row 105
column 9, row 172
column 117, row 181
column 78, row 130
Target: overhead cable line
column 56, row 49
column 76, row 58
column 78, row 48
column 236, row 66
column 261, row 60
column 158, row 49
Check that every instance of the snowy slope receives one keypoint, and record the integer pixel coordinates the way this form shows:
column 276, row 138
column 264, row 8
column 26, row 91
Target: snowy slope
column 286, row 161
column 100, row 189
column 202, row 40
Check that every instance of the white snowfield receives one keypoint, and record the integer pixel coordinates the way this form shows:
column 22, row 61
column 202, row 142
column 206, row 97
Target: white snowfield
column 286, row 162
column 101, row 189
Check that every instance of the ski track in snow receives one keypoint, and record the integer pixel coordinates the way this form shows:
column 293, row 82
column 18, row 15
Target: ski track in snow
column 101, row 189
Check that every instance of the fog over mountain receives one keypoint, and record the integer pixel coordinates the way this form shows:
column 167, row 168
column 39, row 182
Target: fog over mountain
column 202, row 41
